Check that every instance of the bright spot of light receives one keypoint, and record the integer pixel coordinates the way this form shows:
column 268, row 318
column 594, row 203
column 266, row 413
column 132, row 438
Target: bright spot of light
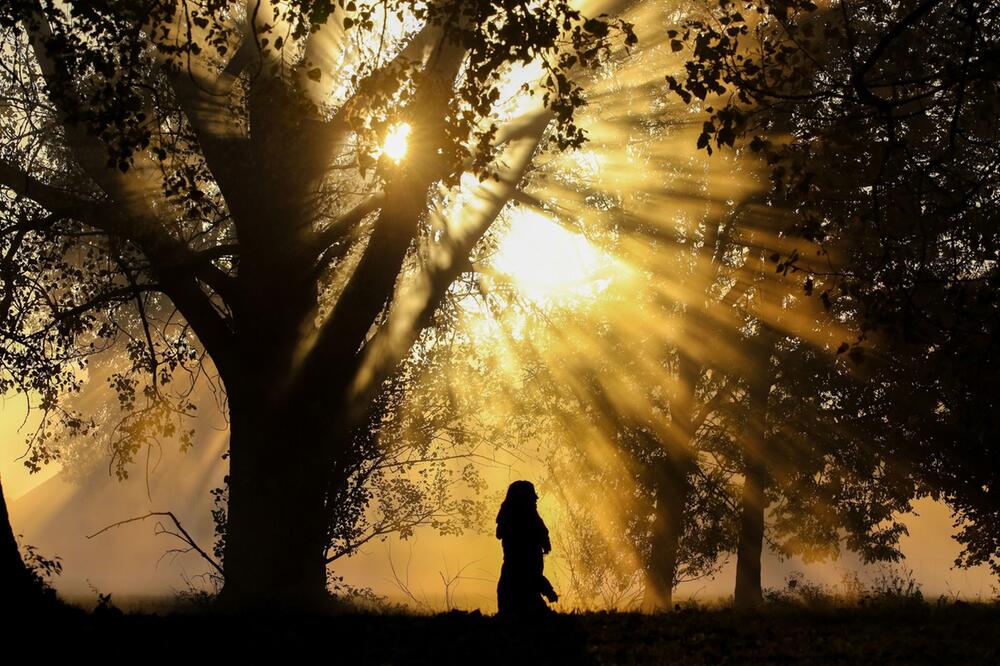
column 514, row 88
column 549, row 263
column 395, row 144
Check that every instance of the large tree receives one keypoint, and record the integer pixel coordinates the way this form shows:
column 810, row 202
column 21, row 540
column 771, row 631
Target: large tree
column 879, row 123
column 220, row 185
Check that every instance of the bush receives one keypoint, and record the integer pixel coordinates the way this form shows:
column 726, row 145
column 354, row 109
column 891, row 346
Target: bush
column 890, row 587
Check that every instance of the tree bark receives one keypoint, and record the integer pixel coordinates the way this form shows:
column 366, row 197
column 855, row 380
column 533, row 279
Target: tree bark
column 15, row 579
column 748, row 593
column 277, row 527
column 750, row 548
column 673, row 489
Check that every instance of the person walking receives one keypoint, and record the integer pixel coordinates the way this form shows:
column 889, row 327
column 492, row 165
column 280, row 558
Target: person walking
column 525, row 541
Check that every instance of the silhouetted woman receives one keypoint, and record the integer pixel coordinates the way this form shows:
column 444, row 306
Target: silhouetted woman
column 525, row 541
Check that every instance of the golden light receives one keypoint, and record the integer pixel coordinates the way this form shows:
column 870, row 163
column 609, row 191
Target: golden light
column 396, row 142
column 549, row 263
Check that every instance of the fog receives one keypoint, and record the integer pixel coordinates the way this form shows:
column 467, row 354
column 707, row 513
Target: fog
column 432, row 572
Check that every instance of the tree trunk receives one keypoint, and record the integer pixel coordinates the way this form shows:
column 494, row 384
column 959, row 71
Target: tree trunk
column 749, row 550
column 15, row 579
column 673, row 488
column 751, row 539
column 276, row 530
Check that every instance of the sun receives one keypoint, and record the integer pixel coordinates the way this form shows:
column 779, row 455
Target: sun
column 549, row 263
column 396, row 142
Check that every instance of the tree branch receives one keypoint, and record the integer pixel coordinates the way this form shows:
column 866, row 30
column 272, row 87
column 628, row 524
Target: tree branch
column 121, row 294
column 414, row 306
column 371, row 285
column 858, row 79
column 185, row 537
column 53, row 199
column 162, row 251
column 340, row 227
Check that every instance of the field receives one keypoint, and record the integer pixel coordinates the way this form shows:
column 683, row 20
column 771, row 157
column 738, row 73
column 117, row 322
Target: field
column 781, row 633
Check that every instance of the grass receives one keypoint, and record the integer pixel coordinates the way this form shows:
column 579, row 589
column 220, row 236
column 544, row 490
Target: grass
column 914, row 632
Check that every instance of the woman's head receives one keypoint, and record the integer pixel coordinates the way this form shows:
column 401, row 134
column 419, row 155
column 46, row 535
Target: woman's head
column 521, row 493
column 518, row 516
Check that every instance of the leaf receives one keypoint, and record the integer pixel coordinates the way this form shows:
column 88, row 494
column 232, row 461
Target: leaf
column 857, row 355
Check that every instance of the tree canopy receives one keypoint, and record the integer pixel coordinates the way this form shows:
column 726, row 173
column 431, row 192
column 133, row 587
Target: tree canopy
column 878, row 121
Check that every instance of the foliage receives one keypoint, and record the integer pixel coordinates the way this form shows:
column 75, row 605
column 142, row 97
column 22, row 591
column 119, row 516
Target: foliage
column 220, row 502
column 105, row 44
column 359, row 598
column 837, row 457
column 890, row 587
column 878, row 123
column 41, row 568
column 417, row 460
column 498, row 36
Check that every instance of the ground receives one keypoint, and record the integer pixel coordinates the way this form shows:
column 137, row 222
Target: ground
column 910, row 634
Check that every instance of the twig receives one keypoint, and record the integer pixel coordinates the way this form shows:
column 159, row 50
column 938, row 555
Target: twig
column 183, row 536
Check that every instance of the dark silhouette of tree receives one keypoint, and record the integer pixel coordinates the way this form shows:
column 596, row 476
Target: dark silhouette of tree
column 17, row 580
column 25, row 583
column 199, row 185
column 826, row 461
column 878, row 121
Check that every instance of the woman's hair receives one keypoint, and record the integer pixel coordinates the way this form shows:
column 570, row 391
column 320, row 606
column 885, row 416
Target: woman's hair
column 518, row 512
column 521, row 493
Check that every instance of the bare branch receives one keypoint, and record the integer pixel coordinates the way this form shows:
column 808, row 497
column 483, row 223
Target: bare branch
column 184, row 535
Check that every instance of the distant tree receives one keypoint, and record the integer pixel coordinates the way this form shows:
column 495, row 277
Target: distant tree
column 825, row 460
column 203, row 185
column 878, row 121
